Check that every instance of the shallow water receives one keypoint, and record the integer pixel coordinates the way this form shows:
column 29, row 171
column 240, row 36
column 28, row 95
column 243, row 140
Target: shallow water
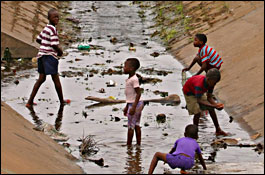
column 121, row 20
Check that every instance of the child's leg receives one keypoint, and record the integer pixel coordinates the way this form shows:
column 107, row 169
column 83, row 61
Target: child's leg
column 158, row 156
column 216, row 124
column 130, row 136
column 138, row 134
column 196, row 119
column 42, row 78
column 58, row 87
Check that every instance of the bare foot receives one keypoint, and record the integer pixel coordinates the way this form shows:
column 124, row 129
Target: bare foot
column 221, row 132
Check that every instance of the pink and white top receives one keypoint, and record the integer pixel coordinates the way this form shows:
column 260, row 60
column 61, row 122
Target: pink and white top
column 130, row 93
column 49, row 38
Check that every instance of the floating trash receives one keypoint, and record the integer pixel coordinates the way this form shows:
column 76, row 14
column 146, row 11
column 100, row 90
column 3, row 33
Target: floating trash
column 83, row 47
column 161, row 118
column 111, row 83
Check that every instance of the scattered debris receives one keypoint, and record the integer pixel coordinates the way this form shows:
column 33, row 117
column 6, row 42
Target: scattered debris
column 115, row 109
column 255, row 136
column 162, row 94
column 231, row 119
column 111, row 83
column 113, row 40
column 102, row 90
column 84, row 114
column 117, row 119
column 99, row 162
column 88, row 146
column 16, row 82
column 161, row 118
column 51, row 131
column 146, row 124
column 155, row 54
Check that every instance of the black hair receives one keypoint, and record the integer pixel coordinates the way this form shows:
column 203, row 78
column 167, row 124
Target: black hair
column 201, row 37
column 51, row 11
column 134, row 62
column 191, row 131
column 213, row 74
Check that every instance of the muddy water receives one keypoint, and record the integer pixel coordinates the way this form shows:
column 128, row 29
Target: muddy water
column 102, row 21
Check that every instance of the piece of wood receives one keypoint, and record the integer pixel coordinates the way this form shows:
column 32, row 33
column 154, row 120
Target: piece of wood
column 173, row 98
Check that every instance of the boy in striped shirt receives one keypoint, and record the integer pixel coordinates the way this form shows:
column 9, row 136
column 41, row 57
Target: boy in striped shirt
column 48, row 57
column 207, row 56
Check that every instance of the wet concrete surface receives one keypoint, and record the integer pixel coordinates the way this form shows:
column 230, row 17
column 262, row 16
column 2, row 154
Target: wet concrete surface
column 101, row 21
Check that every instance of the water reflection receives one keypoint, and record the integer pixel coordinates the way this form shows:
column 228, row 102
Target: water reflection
column 36, row 119
column 133, row 160
column 58, row 121
column 38, row 122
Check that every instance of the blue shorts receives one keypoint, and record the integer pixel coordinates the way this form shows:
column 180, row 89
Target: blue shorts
column 48, row 65
column 179, row 161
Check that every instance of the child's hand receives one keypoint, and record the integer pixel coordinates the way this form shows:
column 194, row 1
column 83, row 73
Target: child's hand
column 125, row 111
column 132, row 111
column 219, row 106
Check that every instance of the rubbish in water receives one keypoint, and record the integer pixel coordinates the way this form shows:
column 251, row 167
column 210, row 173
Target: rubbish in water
column 113, row 40
column 50, row 130
column 88, row 146
column 183, row 78
column 102, row 90
column 83, row 47
column 161, row 118
column 84, row 114
column 155, row 54
column 111, row 97
column 231, row 119
column 255, row 136
column 68, row 101
column 16, row 82
column 111, row 83
column 99, row 162
column 117, row 119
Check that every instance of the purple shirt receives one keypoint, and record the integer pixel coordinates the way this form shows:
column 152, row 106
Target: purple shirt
column 187, row 146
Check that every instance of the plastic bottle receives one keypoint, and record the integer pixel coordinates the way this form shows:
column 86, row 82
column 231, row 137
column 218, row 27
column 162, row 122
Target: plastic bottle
column 83, row 47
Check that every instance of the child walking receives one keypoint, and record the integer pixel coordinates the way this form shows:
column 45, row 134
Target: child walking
column 134, row 106
column 207, row 56
column 183, row 152
column 47, row 57
column 194, row 92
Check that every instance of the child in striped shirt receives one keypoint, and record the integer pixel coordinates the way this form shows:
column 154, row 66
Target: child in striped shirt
column 47, row 57
column 207, row 56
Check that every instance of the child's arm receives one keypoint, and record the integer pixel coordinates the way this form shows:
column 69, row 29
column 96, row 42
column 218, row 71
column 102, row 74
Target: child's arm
column 137, row 98
column 125, row 109
column 191, row 65
column 203, row 67
column 38, row 41
column 58, row 50
column 202, row 161
column 172, row 150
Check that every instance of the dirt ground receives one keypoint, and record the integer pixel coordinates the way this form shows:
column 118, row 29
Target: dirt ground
column 239, row 38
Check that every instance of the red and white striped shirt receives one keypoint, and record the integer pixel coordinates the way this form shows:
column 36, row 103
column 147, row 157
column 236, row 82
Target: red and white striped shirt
column 207, row 53
column 49, row 38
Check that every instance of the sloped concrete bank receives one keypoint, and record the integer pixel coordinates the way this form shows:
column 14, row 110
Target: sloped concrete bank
column 236, row 30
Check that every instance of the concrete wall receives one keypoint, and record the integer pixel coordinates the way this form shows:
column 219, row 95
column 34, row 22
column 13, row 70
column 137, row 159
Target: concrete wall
column 21, row 22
